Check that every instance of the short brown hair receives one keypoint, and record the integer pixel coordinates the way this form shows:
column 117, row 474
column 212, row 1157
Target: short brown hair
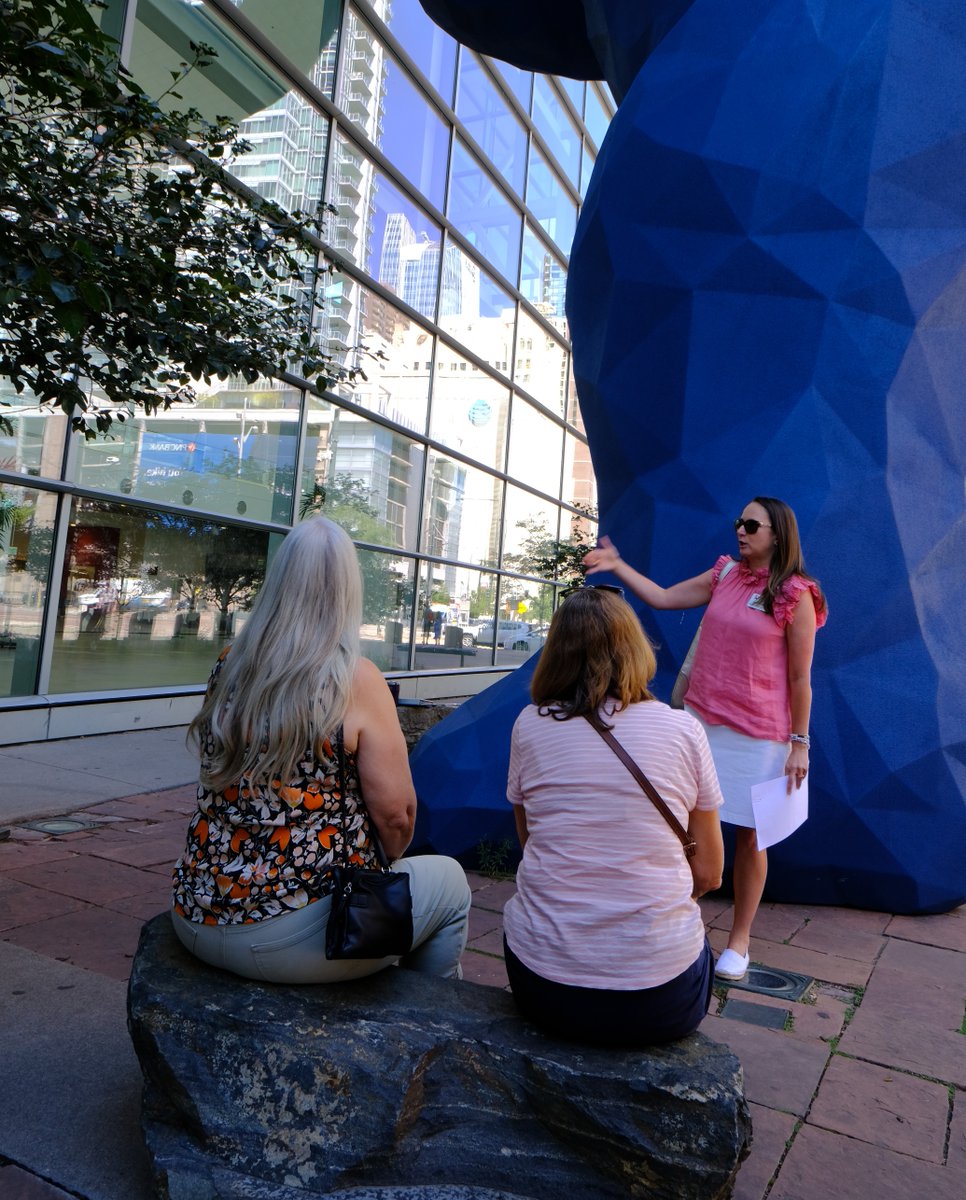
column 596, row 650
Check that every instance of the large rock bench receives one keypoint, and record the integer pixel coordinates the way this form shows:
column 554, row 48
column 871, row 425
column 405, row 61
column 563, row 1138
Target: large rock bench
column 406, row 1087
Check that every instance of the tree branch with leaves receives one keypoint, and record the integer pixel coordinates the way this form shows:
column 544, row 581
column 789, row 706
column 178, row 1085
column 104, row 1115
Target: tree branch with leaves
column 131, row 266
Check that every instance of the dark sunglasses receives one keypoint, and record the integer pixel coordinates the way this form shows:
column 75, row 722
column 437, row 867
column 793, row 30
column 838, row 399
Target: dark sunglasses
column 750, row 525
column 595, row 587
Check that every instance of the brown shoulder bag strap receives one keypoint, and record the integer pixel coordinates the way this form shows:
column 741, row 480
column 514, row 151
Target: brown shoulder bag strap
column 686, row 840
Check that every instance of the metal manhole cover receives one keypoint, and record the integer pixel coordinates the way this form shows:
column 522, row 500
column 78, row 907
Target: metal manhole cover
column 772, row 981
column 59, row 825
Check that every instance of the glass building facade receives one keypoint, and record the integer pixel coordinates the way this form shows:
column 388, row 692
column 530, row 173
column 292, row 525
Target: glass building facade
column 454, row 183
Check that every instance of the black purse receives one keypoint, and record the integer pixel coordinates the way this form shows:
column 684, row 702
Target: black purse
column 372, row 911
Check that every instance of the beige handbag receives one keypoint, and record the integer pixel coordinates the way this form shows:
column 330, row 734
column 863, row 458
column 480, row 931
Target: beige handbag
column 680, row 689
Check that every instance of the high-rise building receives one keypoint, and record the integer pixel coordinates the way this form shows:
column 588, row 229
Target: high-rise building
column 453, row 184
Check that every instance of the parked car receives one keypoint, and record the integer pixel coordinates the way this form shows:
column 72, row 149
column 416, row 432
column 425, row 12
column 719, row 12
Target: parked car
column 507, row 633
column 531, row 641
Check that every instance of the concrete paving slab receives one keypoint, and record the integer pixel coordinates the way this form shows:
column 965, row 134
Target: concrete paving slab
column 821, row 1164
column 898, row 1038
column 85, row 878
column 494, row 894
column 956, row 1153
column 772, row 1131
column 841, row 942
column 69, row 1110
column 948, row 930
column 777, row 922
column 21, row 904
column 883, row 1107
column 484, row 968
column 94, row 938
column 43, row 779
column 780, row 1072
column 814, row 963
column 928, row 963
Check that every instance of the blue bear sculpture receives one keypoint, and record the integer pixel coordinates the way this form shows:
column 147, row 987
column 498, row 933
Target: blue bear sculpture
column 767, row 295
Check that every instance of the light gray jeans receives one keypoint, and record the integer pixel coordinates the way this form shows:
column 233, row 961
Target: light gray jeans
column 291, row 948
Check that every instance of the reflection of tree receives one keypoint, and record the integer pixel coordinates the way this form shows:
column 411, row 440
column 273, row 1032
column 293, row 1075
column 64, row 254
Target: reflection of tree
column 551, row 558
column 345, row 501
column 234, row 571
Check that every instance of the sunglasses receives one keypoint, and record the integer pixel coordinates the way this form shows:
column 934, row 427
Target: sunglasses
column 750, row 525
column 592, row 587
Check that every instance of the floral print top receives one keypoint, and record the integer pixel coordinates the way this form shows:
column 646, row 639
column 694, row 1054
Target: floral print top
column 259, row 851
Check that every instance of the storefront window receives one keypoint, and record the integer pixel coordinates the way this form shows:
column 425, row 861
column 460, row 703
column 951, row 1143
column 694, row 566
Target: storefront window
column 150, row 598
column 27, row 523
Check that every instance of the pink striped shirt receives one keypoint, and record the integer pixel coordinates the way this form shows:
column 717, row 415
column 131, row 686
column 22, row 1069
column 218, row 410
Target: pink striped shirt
column 604, row 890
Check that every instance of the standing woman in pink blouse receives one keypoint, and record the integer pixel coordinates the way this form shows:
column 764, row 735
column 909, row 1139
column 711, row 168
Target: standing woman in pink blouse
column 750, row 682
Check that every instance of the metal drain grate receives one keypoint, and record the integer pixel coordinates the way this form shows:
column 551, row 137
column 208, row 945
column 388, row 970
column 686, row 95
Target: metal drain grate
column 59, row 825
column 772, row 981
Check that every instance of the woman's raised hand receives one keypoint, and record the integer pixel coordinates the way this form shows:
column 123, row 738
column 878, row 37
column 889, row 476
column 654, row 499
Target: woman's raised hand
column 604, row 558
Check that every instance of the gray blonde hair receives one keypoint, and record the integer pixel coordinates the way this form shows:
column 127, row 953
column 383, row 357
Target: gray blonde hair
column 284, row 687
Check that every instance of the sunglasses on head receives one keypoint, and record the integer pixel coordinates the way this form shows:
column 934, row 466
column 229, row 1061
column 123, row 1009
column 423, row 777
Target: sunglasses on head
column 750, row 525
column 593, row 587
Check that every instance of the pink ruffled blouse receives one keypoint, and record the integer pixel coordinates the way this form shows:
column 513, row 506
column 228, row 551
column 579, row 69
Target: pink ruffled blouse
column 739, row 676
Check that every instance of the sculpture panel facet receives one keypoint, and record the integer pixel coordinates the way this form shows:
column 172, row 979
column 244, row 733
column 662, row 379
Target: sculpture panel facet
column 767, row 295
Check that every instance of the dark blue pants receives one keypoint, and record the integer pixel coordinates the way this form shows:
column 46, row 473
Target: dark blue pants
column 645, row 1017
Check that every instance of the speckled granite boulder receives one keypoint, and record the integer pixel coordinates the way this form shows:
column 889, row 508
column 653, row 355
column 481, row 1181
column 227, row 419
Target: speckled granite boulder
column 404, row 1087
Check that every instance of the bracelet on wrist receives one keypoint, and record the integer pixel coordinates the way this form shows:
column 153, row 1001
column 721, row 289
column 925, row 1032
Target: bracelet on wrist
column 801, row 738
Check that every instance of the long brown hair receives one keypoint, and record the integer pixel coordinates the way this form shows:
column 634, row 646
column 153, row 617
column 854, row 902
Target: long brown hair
column 596, row 650
column 786, row 559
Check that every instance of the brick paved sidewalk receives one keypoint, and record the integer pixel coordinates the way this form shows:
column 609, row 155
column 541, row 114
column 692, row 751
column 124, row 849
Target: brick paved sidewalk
column 858, row 1088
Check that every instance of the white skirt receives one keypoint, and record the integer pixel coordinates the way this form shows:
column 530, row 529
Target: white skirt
column 741, row 762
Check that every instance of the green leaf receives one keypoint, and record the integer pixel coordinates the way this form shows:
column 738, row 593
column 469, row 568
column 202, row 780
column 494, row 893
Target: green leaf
column 63, row 291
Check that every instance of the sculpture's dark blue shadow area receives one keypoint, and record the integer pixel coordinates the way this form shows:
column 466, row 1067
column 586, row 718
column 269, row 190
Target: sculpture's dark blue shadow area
column 767, row 295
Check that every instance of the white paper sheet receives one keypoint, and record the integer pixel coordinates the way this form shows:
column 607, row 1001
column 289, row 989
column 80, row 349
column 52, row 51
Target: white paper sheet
column 776, row 813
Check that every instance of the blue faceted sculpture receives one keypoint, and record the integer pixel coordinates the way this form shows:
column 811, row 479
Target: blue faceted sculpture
column 767, row 295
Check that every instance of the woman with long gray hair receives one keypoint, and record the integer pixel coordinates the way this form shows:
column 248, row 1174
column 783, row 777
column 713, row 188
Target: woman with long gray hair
column 295, row 730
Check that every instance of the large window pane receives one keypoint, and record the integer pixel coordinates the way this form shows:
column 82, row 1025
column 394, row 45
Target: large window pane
column 549, row 202
column 36, row 445
column 543, row 277
column 587, row 161
column 364, row 476
column 556, row 127
column 149, row 599
column 432, row 50
column 579, row 483
column 519, row 82
column 595, row 116
column 444, row 638
column 232, row 453
column 574, row 89
column 382, row 231
column 475, row 309
column 526, row 517
column 482, row 213
column 490, row 121
column 542, row 364
column 536, row 445
column 288, row 135
column 378, row 96
column 469, row 409
column 27, row 520
column 362, row 330
column 461, row 513
column 387, row 607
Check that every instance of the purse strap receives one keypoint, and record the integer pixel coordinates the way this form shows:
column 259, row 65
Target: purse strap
column 373, row 834
column 685, row 838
